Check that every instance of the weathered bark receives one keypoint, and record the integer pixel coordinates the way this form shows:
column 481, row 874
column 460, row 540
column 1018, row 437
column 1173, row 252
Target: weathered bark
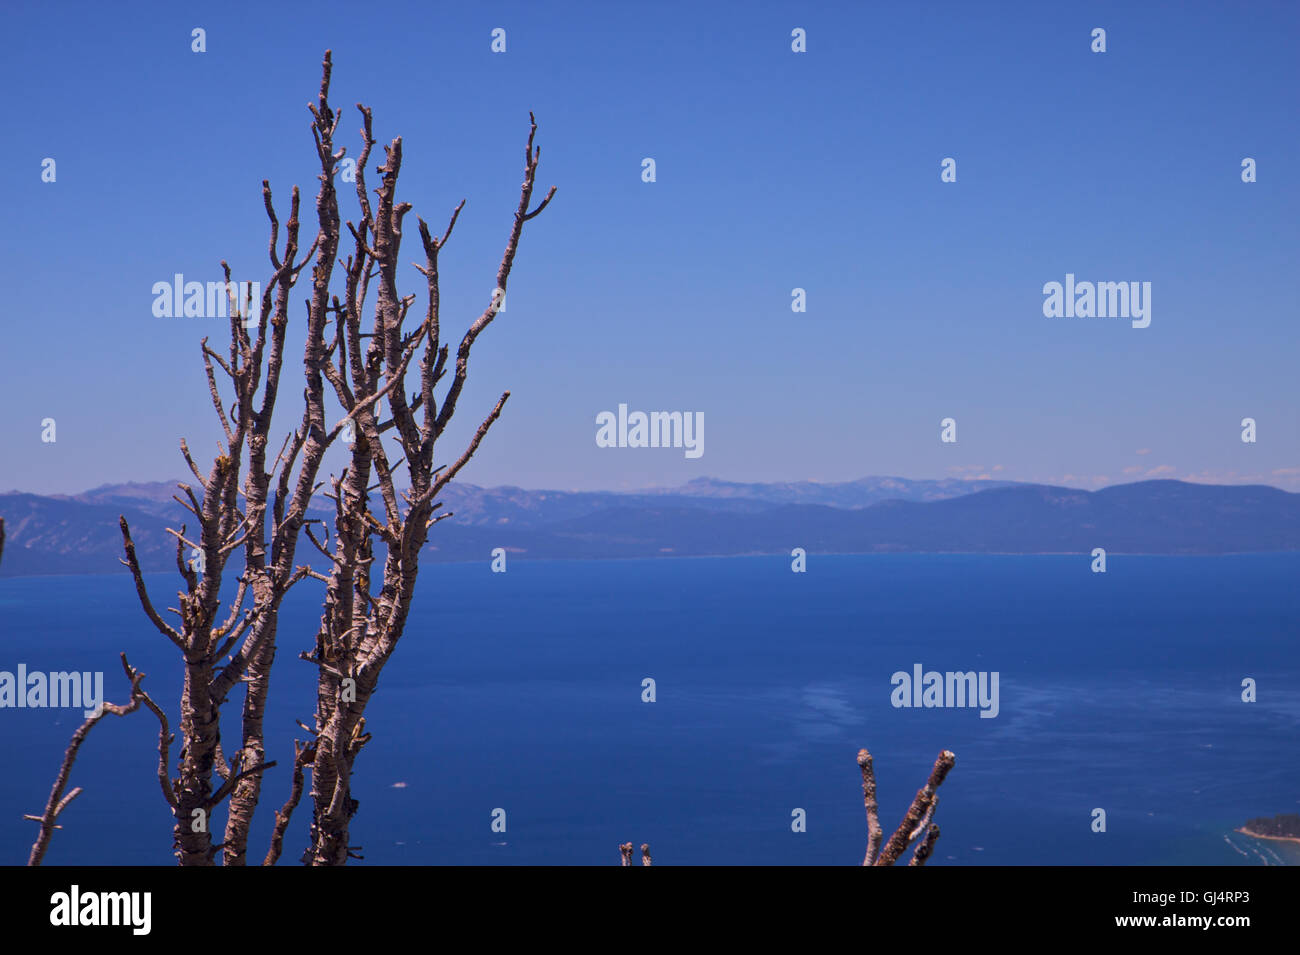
column 270, row 585
column 874, row 832
column 359, row 630
column 925, row 846
column 200, row 720
column 915, row 822
column 223, row 528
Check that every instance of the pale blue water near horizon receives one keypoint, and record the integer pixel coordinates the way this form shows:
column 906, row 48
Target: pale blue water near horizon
column 522, row 691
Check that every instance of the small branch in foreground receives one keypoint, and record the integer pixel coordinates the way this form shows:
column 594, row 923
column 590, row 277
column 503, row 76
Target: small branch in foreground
column 925, row 846
column 874, row 832
column 58, row 801
column 918, row 814
column 303, row 753
column 625, row 853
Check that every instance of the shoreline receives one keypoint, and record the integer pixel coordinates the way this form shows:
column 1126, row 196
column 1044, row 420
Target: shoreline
column 1255, row 835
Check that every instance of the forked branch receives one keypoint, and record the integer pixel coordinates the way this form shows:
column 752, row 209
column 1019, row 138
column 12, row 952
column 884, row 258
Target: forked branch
column 58, row 801
column 915, row 822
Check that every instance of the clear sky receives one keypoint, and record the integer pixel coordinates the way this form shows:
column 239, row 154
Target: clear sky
column 775, row 170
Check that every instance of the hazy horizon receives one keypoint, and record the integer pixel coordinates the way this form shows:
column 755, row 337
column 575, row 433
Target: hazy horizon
column 976, row 479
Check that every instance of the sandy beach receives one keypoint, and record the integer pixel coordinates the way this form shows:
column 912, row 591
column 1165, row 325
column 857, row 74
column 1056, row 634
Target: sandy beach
column 1255, row 835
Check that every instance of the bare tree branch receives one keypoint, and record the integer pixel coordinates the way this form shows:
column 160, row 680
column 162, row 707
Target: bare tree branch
column 303, row 753
column 925, row 847
column 910, row 827
column 874, row 832
column 58, row 802
column 132, row 562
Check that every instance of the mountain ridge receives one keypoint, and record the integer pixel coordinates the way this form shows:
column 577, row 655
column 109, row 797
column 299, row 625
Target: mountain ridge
column 71, row 534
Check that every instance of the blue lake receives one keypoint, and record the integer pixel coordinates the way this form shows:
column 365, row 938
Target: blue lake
column 523, row 691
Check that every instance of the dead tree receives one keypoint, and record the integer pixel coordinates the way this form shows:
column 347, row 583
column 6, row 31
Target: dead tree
column 224, row 648
column 360, row 627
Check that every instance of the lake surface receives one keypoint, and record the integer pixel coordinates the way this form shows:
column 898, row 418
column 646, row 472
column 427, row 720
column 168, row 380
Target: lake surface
column 523, row 691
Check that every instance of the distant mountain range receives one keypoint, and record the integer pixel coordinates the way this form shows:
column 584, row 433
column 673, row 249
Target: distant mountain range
column 77, row 534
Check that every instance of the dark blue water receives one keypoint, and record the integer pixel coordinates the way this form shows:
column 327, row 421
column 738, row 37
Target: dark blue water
column 522, row 691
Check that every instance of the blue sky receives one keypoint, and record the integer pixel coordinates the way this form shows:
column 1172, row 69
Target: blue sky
column 775, row 170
